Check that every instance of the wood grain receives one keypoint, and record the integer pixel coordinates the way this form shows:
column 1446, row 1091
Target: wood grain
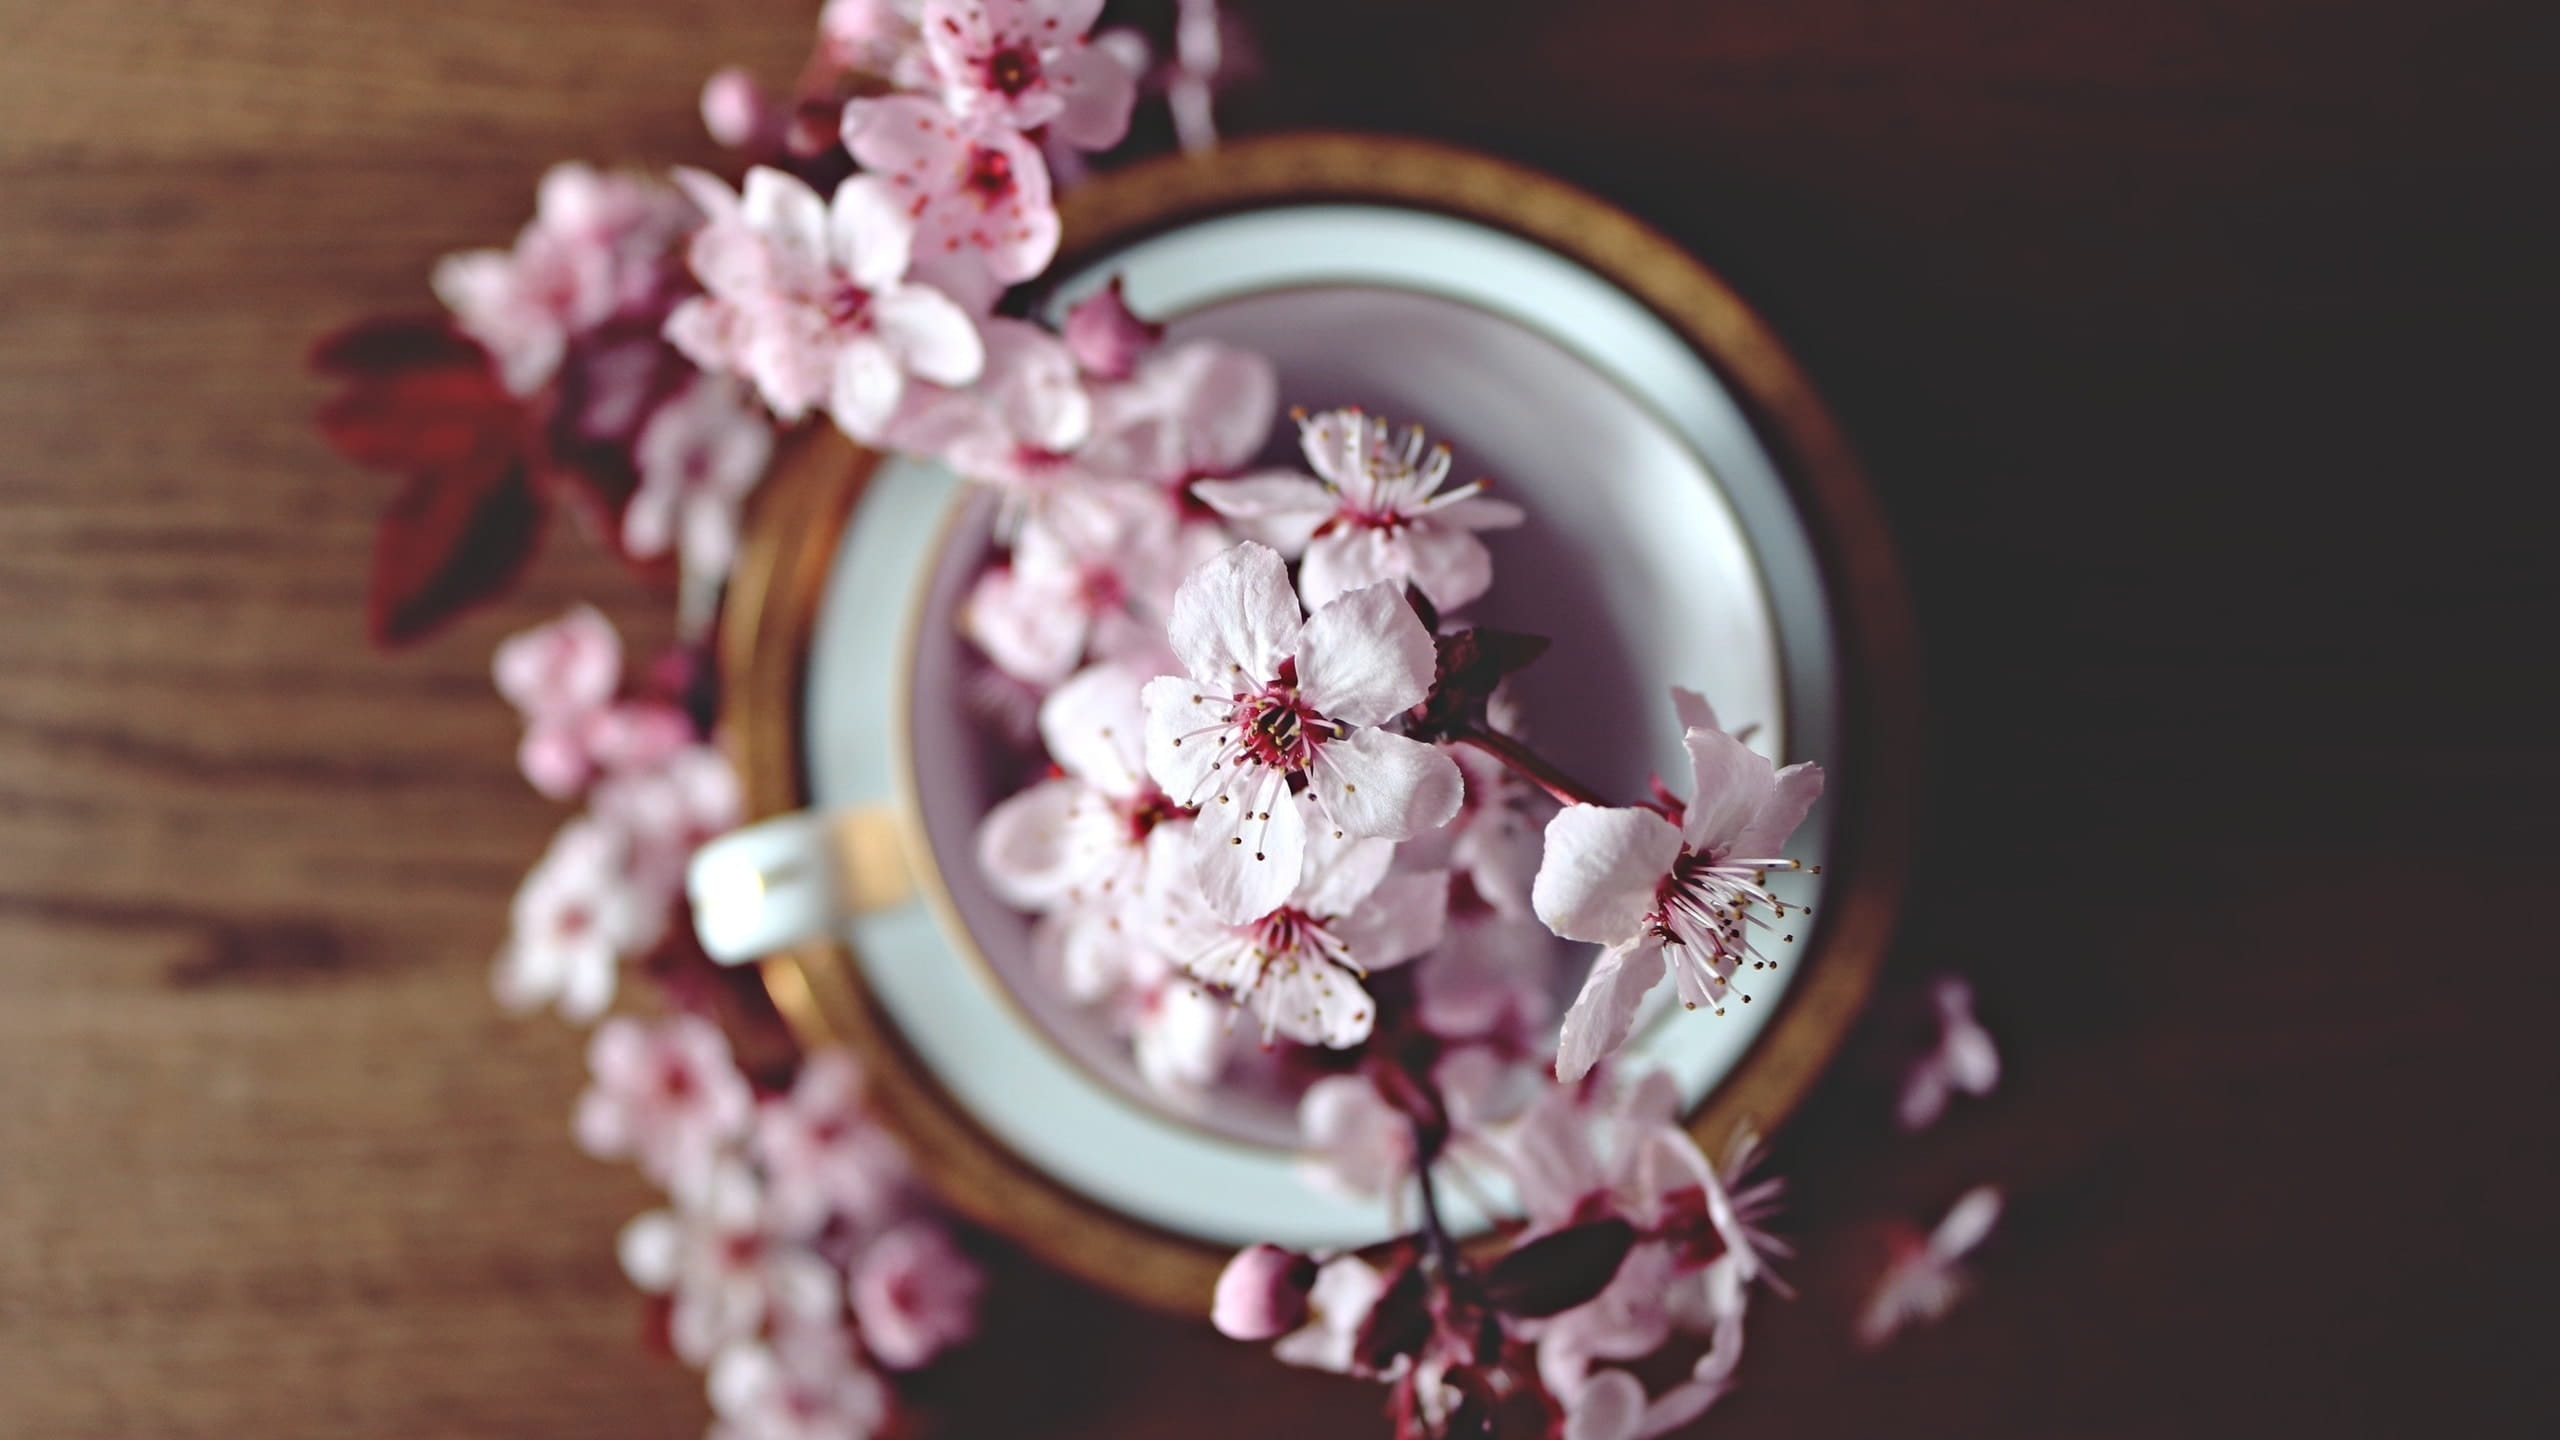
column 2200, row 349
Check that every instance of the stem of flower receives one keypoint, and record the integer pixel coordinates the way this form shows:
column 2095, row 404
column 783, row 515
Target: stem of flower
column 1435, row 1235
column 1529, row 766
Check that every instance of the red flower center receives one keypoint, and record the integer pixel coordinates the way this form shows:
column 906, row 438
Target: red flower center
column 1012, row 70
column 990, row 176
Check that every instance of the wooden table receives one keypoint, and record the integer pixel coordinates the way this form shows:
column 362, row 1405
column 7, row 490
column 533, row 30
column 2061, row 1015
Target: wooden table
column 2190, row 342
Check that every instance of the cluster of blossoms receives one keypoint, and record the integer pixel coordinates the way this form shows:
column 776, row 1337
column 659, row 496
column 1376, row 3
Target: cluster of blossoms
column 1286, row 820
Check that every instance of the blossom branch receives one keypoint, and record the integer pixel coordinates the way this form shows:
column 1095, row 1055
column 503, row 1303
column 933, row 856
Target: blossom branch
column 1530, row 766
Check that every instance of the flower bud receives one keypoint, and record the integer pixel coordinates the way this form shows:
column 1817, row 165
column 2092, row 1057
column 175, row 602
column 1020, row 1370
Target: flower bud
column 1106, row 339
column 1262, row 1294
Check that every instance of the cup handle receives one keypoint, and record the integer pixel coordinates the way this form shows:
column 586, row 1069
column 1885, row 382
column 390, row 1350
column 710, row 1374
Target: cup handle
column 794, row 879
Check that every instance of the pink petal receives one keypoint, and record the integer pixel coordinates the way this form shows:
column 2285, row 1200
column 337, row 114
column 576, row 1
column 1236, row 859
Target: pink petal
column 1035, row 386
column 1365, row 657
column 1341, row 873
column 1601, row 870
column 1226, row 400
column 787, row 213
column 1234, row 619
column 1451, row 566
column 1694, row 711
column 1609, row 1407
column 867, row 386
column 1478, row 513
column 1095, row 727
column 869, row 232
column 1352, row 557
column 1022, row 844
column 1379, row 784
column 907, row 138
column 1404, row 917
column 1262, row 1294
column 1781, row 810
column 1968, row 1223
column 1729, row 783
column 1598, row 1022
column 1099, row 89
column 1277, row 508
column 930, row 334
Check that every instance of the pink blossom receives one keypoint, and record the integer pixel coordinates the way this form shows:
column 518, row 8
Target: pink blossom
column 574, row 919
column 1262, row 1294
column 804, row 1383
column 1026, row 63
column 668, row 809
column 980, row 198
column 1611, row 1405
column 1964, row 1059
column 1107, row 339
column 725, row 1275
column 1273, row 701
column 1378, row 514
column 1299, row 965
column 699, row 455
column 560, row 676
column 914, row 1295
column 1926, row 1276
column 1057, row 602
column 823, row 1155
column 1188, row 412
column 597, row 246
column 810, row 300
column 1346, row 1289
column 1357, row 1145
column 1652, row 890
column 1083, row 835
column 666, row 1095
column 1498, row 837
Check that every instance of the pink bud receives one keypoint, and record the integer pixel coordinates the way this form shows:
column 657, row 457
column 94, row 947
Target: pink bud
column 733, row 108
column 1106, row 339
column 1262, row 1294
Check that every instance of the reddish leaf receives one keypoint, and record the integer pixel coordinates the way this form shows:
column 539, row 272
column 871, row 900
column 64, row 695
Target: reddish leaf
column 454, row 537
column 419, row 396
column 1560, row 1269
column 1399, row 1323
column 1471, row 664
column 386, row 344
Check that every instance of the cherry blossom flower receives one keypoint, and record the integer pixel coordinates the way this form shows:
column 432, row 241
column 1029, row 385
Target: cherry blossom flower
column 1964, row 1059
column 1262, row 1294
column 1083, row 835
column 666, row 1095
column 980, row 197
column 1194, row 411
column 1055, row 603
column 598, row 245
column 1346, row 1289
column 1611, row 1405
column 725, row 1275
column 1652, row 890
column 574, row 919
column 1272, row 702
column 1026, row 63
column 823, row 1156
column 668, row 808
column 1107, row 339
column 809, row 299
column 736, row 114
column 560, row 676
column 803, row 1384
column 1299, row 965
column 698, row 457
column 1926, row 1276
column 1376, row 515
column 914, row 1295
column 1358, row 1146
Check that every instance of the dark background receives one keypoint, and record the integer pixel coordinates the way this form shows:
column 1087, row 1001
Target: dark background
column 2199, row 351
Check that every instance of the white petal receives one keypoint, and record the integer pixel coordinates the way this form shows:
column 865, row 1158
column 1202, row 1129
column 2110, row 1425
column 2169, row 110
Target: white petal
column 1379, row 784
column 1968, row 1223
column 1343, row 560
column 1694, row 711
column 1601, row 870
column 650, row 1248
column 1365, row 657
column 933, row 336
column 1022, row 844
column 1402, row 918
column 1248, row 845
column 1730, row 780
column 1447, row 564
column 1095, row 726
column 1606, row 1009
column 789, row 214
column 1235, row 618
column 867, row 386
column 1317, row 1003
column 1184, row 725
column 1781, row 810
column 869, row 232
column 1279, row 509
column 1610, row 1407
column 1341, row 872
